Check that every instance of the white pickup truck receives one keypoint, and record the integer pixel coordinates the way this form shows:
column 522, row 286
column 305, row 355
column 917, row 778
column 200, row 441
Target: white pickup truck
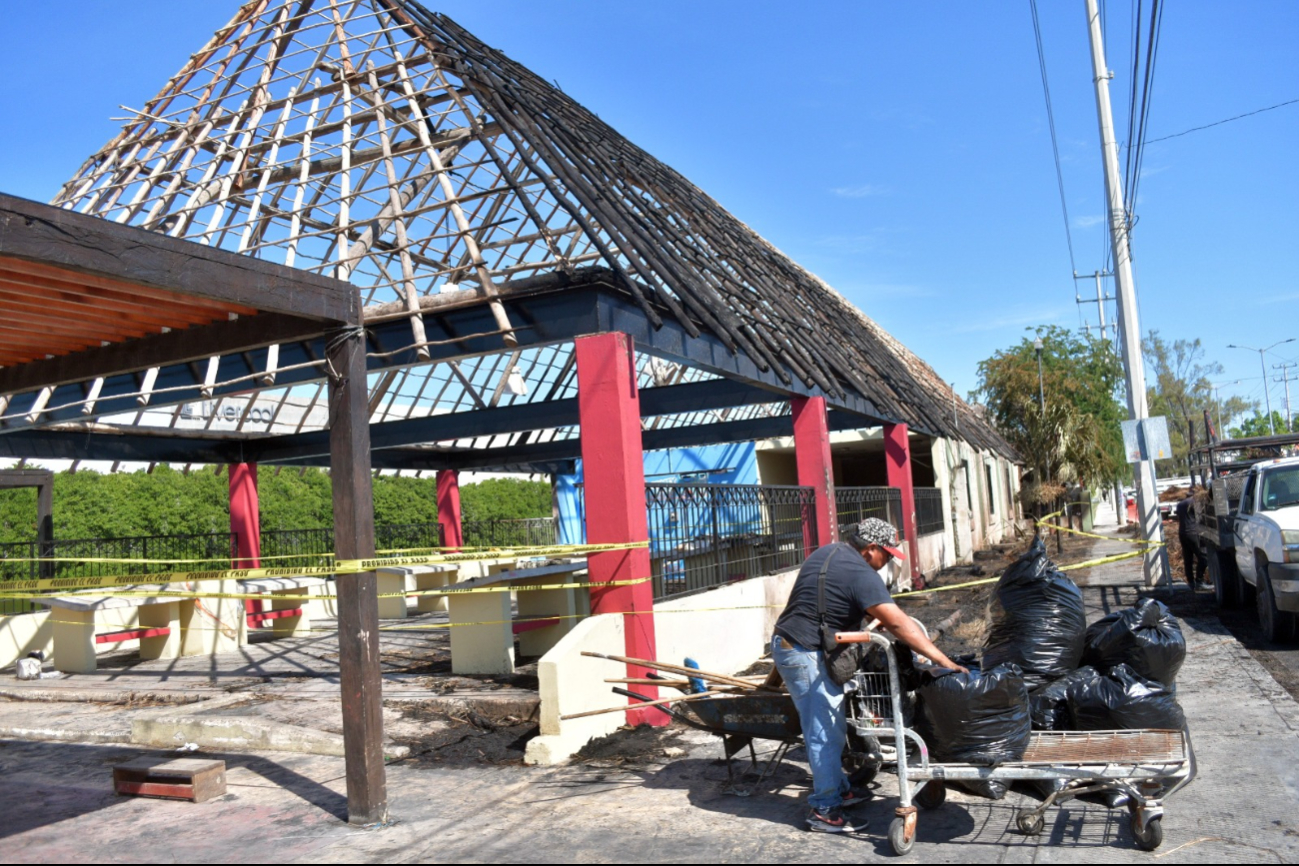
column 1250, row 533
column 1267, row 543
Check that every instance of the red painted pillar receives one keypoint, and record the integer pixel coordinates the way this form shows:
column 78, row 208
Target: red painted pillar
column 812, row 453
column 897, row 456
column 449, row 508
column 613, row 470
column 245, row 520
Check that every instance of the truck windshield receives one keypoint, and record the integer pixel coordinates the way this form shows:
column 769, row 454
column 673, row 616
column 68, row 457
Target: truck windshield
column 1280, row 488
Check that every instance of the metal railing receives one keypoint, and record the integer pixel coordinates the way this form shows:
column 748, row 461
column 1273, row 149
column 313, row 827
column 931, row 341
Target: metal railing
column 298, row 548
column 511, row 532
column 929, row 510
column 164, row 553
column 706, row 535
column 855, row 504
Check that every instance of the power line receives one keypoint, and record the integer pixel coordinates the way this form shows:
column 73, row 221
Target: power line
column 1050, row 119
column 1221, row 122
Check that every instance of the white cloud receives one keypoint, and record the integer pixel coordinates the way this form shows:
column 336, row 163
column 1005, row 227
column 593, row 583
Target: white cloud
column 1086, row 222
column 859, row 191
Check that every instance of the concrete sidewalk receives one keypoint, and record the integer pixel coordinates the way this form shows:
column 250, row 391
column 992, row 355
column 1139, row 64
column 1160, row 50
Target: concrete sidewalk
column 1243, row 807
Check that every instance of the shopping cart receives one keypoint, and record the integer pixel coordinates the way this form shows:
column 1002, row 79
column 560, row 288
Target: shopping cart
column 1144, row 765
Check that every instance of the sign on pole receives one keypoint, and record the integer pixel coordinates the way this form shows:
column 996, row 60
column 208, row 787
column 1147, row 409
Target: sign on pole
column 1147, row 439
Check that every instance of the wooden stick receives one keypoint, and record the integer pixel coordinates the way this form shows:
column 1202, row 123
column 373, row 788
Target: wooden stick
column 646, row 681
column 657, row 703
column 678, row 669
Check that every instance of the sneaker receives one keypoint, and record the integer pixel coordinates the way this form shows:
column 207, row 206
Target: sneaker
column 854, row 797
column 829, row 821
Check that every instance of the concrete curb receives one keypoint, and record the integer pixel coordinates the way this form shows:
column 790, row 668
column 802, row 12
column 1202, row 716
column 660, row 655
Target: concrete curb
column 55, row 735
column 99, row 696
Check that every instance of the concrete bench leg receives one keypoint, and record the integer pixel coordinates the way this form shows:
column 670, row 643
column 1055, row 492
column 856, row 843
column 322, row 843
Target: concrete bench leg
column 482, row 649
column 570, row 604
column 437, row 580
column 74, row 640
column 394, row 606
column 160, row 616
column 213, row 625
column 290, row 626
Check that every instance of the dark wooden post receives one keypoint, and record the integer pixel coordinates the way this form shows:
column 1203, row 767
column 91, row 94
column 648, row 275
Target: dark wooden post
column 45, row 523
column 358, row 601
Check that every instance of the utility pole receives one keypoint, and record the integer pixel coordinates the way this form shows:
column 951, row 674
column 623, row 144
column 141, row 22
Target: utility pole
column 1152, row 530
column 1262, row 363
column 1285, row 378
column 1101, row 297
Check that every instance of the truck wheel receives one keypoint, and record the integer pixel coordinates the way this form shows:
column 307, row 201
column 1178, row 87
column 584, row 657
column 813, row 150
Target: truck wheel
column 1278, row 625
column 1225, row 578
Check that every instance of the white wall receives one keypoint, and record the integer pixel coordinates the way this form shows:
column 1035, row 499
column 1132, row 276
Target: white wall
column 724, row 630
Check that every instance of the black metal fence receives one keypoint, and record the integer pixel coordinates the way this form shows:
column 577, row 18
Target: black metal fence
column 929, row 510
column 298, row 548
column 158, row 553
column 855, row 504
column 706, row 535
column 514, row 532
column 294, row 548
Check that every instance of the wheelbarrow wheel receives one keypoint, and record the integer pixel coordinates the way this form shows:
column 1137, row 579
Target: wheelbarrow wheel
column 1029, row 823
column 861, row 759
column 1152, row 837
column 932, row 795
column 863, row 775
column 898, row 837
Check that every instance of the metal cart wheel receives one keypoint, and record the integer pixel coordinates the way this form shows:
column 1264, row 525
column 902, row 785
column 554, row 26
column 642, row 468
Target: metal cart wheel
column 932, row 795
column 1153, row 836
column 1030, row 823
column 898, row 837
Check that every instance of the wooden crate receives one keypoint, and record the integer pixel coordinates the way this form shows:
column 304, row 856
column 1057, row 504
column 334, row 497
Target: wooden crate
column 196, row 779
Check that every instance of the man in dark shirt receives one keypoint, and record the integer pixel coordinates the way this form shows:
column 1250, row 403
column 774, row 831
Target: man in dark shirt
column 853, row 590
column 1193, row 560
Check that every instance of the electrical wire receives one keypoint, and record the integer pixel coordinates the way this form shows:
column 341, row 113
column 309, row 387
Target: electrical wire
column 1221, row 122
column 1055, row 147
column 1147, row 93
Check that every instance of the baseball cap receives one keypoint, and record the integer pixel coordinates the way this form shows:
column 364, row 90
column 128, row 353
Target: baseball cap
column 872, row 530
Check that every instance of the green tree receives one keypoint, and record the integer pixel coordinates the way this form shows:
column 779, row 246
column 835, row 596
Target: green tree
column 168, row 502
column 1180, row 389
column 505, row 498
column 1258, row 424
column 1076, row 437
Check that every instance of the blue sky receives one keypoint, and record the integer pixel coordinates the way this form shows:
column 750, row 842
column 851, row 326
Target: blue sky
column 899, row 151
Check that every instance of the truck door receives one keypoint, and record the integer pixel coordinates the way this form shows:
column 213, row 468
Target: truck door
column 1244, row 530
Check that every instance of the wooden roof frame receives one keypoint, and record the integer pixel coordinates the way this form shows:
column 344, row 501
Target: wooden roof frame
column 80, row 258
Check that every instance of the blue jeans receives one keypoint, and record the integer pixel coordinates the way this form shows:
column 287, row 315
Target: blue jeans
column 820, row 710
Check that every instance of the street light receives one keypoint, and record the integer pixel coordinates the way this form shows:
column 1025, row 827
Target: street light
column 1041, row 388
column 1267, row 395
column 1218, row 403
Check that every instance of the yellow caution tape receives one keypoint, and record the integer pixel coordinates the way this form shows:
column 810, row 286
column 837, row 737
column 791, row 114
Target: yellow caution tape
column 1101, row 537
column 346, row 566
column 267, row 596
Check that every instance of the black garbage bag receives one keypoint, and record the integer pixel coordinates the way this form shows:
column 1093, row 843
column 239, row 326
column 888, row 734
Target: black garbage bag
column 1038, row 621
column 1146, row 637
column 990, row 788
column 1048, row 707
column 975, row 718
column 1121, row 699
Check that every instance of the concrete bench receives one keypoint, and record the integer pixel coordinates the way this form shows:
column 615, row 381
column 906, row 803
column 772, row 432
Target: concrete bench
column 287, row 615
column 483, row 625
column 415, row 578
column 75, row 619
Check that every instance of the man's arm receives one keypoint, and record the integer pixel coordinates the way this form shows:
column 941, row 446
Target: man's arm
column 905, row 629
